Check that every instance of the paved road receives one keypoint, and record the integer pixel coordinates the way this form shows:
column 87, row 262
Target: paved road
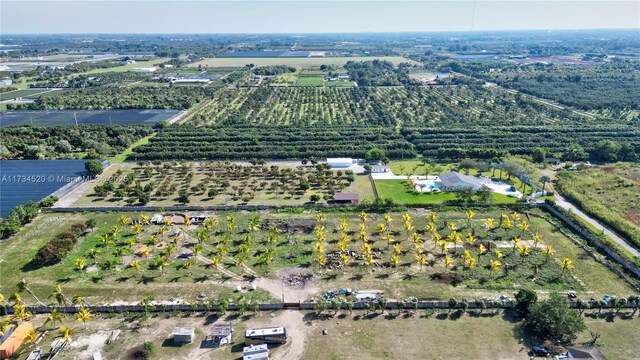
column 563, row 203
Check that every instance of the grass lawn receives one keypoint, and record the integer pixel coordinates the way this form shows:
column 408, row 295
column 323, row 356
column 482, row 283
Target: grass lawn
column 20, row 93
column 296, row 62
column 402, row 192
column 339, row 83
column 123, row 156
column 310, row 81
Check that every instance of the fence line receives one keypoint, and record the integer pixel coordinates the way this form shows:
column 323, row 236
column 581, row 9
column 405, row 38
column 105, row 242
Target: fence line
column 307, row 306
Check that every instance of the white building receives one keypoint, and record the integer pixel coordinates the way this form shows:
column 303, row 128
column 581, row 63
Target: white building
column 255, row 352
column 183, row 335
column 6, row 82
column 380, row 169
column 340, row 162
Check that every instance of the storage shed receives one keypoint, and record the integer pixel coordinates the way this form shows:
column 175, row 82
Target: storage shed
column 221, row 333
column 183, row 335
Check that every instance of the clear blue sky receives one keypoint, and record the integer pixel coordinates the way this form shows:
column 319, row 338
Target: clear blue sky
column 306, row 16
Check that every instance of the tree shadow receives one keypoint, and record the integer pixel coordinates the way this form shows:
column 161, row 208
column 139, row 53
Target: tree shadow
column 356, row 277
column 122, row 279
column 147, row 280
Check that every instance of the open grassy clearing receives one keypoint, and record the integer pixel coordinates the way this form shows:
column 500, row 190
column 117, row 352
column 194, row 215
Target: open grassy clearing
column 19, row 93
column 610, row 193
column 296, row 62
column 261, row 244
column 212, row 183
column 310, row 81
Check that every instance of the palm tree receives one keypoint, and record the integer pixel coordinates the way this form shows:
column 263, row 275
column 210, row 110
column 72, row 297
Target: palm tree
column 344, row 259
column 66, row 333
column 516, row 242
column 145, row 219
column 144, row 251
column 481, row 251
column 396, row 249
column 495, row 265
column 470, row 262
column 124, row 220
column 77, row 300
column 436, row 239
column 24, row 286
column 567, row 264
column 20, row 313
column 524, row 225
column 447, row 263
column 15, row 299
column 363, row 216
column 53, row 318
column 433, row 217
column 80, row 264
column 382, row 228
column 344, row 225
column 421, row 260
column 536, row 240
column 470, row 239
column 523, row 251
column 135, row 264
column 136, row 228
column 544, row 179
column 197, row 249
column 489, row 224
column 31, row 336
column 5, row 325
column 320, row 217
column 389, row 239
column 387, row 219
column 368, row 259
column 548, row 252
column 443, row 246
column 216, row 261
column 470, row 215
column 161, row 262
column 395, row 261
column 321, row 259
column 415, row 238
column 170, row 250
column 93, row 254
column 59, row 296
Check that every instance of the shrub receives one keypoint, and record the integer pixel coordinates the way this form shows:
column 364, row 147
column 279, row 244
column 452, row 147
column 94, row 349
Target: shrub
column 58, row 247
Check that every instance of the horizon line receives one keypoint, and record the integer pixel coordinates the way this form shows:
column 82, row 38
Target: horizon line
column 328, row 33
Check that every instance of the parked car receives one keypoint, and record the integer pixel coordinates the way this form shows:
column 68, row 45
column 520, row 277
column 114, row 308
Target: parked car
column 540, row 351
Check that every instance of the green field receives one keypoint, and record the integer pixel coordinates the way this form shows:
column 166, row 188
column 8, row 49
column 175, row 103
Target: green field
column 310, row 81
column 241, row 250
column 610, row 193
column 19, row 93
column 339, row 84
column 296, row 62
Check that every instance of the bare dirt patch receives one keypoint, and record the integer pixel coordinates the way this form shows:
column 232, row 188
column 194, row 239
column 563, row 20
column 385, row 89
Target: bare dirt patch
column 293, row 284
column 292, row 227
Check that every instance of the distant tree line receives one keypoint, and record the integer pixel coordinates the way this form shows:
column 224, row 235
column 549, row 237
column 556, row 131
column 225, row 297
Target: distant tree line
column 66, row 142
